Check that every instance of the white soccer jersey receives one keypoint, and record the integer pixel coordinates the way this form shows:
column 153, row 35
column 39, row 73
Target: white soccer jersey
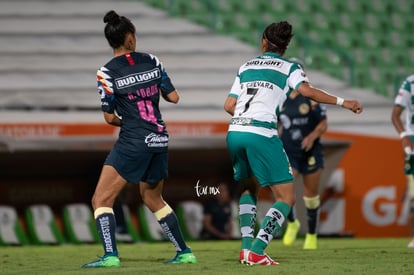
column 404, row 99
column 261, row 87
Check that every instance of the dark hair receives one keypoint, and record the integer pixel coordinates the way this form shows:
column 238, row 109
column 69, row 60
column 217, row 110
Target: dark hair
column 278, row 36
column 116, row 29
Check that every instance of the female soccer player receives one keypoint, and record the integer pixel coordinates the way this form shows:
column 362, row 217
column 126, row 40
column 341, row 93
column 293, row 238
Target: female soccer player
column 130, row 86
column 303, row 121
column 255, row 99
column 405, row 128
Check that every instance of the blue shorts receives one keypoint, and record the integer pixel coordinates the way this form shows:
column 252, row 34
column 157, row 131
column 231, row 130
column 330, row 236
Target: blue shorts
column 150, row 167
column 259, row 156
column 307, row 162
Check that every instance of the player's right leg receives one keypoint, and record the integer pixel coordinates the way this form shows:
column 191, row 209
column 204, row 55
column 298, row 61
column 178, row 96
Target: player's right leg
column 109, row 185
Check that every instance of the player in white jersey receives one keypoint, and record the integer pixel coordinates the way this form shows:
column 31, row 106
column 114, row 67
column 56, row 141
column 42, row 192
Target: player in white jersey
column 256, row 97
column 405, row 128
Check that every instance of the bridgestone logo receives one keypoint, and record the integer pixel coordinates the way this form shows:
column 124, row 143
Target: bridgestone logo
column 138, row 78
column 106, row 233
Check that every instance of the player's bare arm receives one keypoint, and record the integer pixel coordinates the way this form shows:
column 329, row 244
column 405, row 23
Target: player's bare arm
column 397, row 110
column 308, row 141
column 323, row 97
column 112, row 119
column 172, row 97
column 230, row 105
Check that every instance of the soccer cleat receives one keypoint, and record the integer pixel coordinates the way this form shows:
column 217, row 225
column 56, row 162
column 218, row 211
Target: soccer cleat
column 105, row 261
column 311, row 241
column 291, row 232
column 183, row 258
column 411, row 244
column 256, row 259
column 244, row 253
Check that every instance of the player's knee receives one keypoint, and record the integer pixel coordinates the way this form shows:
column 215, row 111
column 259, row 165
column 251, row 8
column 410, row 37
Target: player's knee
column 102, row 200
column 312, row 203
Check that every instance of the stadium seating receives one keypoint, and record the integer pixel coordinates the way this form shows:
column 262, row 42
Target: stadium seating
column 190, row 217
column 236, row 234
column 132, row 234
column 347, row 28
column 79, row 223
column 42, row 226
column 262, row 207
column 149, row 226
column 11, row 230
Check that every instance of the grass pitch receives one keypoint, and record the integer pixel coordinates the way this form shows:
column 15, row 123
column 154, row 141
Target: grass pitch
column 334, row 256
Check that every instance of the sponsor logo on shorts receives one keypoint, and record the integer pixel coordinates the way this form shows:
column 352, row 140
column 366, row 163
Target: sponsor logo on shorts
column 156, row 140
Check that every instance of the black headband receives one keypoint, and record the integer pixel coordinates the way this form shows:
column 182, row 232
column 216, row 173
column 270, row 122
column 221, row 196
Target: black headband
column 270, row 42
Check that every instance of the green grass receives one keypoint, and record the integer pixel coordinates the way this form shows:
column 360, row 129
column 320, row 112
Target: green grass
column 334, row 256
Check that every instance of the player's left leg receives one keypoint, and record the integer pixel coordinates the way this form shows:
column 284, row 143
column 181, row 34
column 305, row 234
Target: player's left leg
column 284, row 195
column 312, row 203
column 293, row 224
column 247, row 216
column 165, row 215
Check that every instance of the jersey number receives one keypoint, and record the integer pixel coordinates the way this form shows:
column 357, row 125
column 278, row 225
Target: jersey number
column 253, row 92
column 146, row 111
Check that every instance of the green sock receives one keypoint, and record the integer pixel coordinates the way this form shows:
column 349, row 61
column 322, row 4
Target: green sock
column 273, row 221
column 247, row 215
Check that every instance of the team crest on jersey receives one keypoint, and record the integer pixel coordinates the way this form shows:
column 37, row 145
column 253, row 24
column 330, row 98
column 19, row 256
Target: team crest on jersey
column 311, row 161
column 303, row 108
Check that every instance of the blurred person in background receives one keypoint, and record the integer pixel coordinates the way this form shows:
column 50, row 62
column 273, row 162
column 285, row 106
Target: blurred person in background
column 302, row 123
column 258, row 93
column 405, row 129
column 217, row 220
column 131, row 85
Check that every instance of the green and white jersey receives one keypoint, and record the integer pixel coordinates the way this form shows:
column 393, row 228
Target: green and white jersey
column 405, row 99
column 261, row 87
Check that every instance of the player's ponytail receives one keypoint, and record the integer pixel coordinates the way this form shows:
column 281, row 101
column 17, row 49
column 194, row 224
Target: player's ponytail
column 116, row 29
column 111, row 17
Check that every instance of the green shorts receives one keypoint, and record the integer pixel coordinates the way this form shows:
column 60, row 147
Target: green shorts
column 259, row 156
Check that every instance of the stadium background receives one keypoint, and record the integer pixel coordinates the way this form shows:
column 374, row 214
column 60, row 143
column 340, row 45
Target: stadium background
column 53, row 138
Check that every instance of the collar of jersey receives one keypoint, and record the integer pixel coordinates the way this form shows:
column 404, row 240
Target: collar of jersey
column 271, row 54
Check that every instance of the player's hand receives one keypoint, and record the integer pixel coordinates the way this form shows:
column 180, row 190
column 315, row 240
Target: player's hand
column 307, row 143
column 353, row 105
